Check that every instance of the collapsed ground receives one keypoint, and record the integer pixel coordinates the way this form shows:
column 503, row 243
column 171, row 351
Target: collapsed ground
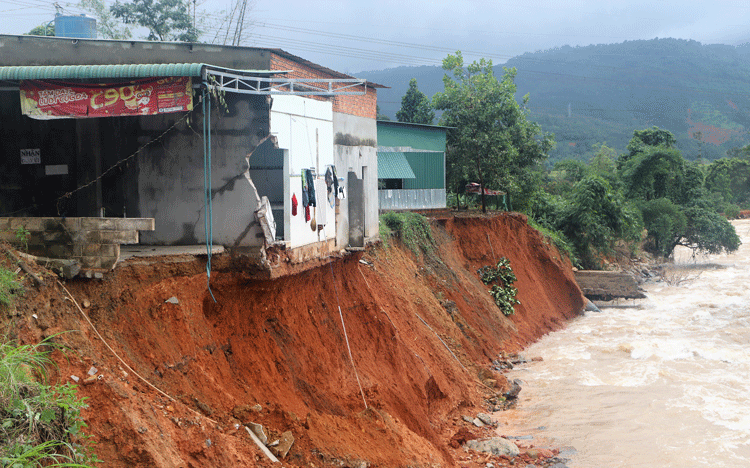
column 423, row 332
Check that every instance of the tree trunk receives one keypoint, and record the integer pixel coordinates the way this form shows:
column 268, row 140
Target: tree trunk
column 481, row 188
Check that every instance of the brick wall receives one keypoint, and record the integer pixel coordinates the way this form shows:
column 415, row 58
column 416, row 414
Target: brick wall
column 359, row 105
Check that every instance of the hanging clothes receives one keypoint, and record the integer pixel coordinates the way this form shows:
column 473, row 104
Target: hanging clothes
column 305, row 197
column 330, row 178
column 310, row 183
column 294, row 204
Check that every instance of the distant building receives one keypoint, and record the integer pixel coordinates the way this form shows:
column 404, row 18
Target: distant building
column 411, row 166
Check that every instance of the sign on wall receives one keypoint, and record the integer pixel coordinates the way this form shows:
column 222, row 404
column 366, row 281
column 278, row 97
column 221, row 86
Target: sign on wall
column 58, row 100
column 31, row 156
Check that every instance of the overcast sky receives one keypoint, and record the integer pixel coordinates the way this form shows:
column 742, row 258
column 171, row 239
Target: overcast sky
column 353, row 36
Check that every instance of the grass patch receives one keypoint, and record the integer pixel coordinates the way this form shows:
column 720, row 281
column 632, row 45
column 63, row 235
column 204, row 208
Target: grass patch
column 411, row 228
column 40, row 425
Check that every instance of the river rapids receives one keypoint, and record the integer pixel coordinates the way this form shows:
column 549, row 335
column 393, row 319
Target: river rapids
column 662, row 382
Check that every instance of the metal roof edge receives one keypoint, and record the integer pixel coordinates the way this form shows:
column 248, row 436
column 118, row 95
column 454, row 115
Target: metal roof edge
column 409, row 124
column 118, row 71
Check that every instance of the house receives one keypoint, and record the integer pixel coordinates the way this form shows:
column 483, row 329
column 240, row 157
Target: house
column 411, row 166
column 231, row 176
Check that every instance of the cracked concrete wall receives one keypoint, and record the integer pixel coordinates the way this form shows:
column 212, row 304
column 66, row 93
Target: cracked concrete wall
column 356, row 151
column 170, row 184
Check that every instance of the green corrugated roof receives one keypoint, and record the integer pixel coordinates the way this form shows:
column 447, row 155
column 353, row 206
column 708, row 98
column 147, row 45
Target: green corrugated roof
column 393, row 165
column 80, row 72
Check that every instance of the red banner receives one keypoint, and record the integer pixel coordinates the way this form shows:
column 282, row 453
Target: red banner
column 149, row 96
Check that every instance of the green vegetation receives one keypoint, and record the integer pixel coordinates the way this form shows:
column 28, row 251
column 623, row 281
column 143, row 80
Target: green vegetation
column 501, row 277
column 492, row 142
column 412, row 228
column 415, row 107
column 600, row 205
column 22, row 236
column 166, row 20
column 597, row 205
column 40, row 424
column 10, row 287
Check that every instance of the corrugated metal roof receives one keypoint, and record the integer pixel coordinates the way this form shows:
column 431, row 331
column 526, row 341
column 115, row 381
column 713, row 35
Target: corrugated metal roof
column 81, row 72
column 394, row 166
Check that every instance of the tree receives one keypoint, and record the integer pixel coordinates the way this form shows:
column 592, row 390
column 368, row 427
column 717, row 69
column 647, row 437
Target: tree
column 166, row 20
column 730, row 177
column 45, row 29
column 595, row 217
column 652, row 168
column 380, row 116
column 671, row 190
column 107, row 27
column 492, row 140
column 415, row 107
column 603, row 161
column 709, row 232
column 665, row 224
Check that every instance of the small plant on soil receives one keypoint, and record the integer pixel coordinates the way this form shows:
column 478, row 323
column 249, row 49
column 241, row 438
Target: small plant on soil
column 413, row 230
column 22, row 236
column 10, row 287
column 40, row 425
column 502, row 291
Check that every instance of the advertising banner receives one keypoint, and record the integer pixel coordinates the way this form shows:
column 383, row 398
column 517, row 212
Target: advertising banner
column 150, row 96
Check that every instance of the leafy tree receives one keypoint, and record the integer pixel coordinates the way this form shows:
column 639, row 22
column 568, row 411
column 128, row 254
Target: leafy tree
column 45, row 29
column 652, row 168
column 595, row 217
column 709, row 232
column 166, row 20
column 730, row 177
column 665, row 223
column 380, row 116
column 107, row 27
column 602, row 163
column 740, row 153
column 492, row 140
column 415, row 107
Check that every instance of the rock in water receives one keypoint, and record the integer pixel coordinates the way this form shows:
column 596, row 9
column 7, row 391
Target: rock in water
column 495, row 446
column 514, row 390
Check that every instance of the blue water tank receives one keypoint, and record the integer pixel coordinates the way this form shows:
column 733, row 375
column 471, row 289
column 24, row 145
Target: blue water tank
column 80, row 27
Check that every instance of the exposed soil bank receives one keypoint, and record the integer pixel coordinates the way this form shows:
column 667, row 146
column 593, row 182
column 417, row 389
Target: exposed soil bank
column 281, row 344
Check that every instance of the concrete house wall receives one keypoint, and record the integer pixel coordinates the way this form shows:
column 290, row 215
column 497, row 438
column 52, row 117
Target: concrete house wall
column 165, row 180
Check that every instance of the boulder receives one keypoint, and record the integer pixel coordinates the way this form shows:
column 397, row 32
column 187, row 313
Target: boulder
column 495, row 446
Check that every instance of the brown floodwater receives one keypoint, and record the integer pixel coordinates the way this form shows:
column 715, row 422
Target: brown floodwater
column 662, row 382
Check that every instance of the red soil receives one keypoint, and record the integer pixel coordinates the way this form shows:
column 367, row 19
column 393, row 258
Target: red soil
column 280, row 344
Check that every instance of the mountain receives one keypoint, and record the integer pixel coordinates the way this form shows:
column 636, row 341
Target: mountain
column 601, row 93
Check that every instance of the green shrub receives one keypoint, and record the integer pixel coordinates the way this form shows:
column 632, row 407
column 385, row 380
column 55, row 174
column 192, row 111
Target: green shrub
column 413, row 230
column 503, row 291
column 731, row 211
column 557, row 239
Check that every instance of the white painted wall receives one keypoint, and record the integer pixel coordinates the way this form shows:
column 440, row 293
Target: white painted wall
column 304, row 127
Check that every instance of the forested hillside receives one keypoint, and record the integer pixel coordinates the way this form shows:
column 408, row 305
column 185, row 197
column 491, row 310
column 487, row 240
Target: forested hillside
column 602, row 93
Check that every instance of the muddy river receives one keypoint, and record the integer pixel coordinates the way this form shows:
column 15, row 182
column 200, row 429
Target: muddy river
column 662, row 382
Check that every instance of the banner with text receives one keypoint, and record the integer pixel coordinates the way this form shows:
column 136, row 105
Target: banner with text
column 150, row 96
